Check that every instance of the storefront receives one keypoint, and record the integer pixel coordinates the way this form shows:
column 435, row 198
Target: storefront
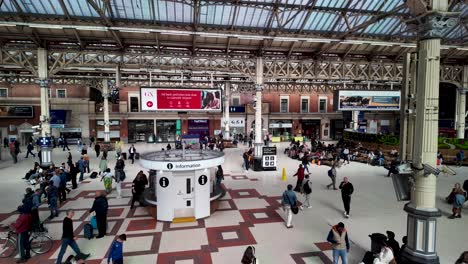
column 114, row 129
column 199, row 127
column 311, row 128
column 337, row 126
column 167, row 130
column 140, row 130
column 236, row 125
column 281, row 128
column 71, row 134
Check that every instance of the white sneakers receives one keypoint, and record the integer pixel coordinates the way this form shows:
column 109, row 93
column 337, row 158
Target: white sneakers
column 346, row 215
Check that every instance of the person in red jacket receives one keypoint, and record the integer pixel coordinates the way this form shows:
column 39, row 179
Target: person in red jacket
column 300, row 178
column 22, row 226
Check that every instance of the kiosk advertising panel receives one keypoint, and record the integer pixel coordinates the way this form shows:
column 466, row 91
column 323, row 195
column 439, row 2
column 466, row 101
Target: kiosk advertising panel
column 369, row 100
column 153, row 99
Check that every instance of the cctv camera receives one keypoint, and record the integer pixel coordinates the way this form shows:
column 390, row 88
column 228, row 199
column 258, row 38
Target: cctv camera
column 428, row 169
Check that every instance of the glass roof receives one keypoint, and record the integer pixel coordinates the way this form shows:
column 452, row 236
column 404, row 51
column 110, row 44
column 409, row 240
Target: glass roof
column 334, row 16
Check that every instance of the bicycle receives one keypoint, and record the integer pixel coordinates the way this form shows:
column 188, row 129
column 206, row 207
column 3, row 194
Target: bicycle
column 40, row 242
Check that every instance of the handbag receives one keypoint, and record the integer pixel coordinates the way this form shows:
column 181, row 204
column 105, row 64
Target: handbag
column 294, row 208
column 93, row 221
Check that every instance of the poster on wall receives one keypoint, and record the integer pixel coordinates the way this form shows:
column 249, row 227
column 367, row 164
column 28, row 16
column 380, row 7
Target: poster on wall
column 23, row 111
column 369, row 100
column 153, row 99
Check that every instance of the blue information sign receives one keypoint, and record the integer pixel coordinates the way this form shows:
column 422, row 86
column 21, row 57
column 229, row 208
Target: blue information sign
column 44, row 141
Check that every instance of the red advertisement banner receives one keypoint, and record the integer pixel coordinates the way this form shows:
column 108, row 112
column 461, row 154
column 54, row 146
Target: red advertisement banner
column 179, row 99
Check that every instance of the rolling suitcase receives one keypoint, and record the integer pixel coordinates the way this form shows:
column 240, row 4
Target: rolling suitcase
column 88, row 231
column 124, row 155
column 137, row 155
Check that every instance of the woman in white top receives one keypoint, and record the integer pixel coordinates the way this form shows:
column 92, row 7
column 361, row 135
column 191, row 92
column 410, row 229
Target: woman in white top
column 385, row 256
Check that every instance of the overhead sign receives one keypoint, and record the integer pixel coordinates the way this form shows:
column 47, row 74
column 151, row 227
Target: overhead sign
column 44, row 141
column 153, row 99
column 58, row 118
column 234, row 122
column 369, row 100
column 237, row 109
column 269, row 158
column 16, row 111
column 181, row 165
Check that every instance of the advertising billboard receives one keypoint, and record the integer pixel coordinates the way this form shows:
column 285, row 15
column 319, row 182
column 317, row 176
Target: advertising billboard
column 369, row 100
column 153, row 99
column 23, row 111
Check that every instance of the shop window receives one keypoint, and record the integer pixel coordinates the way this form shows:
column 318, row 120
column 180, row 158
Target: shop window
column 304, row 105
column 284, row 101
column 61, row 93
column 3, row 92
column 235, row 100
column 134, row 104
column 323, row 105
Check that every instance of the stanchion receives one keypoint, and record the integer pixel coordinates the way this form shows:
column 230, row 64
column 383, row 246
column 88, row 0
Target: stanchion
column 283, row 176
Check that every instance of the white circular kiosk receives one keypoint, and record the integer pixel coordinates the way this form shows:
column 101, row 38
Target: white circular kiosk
column 181, row 181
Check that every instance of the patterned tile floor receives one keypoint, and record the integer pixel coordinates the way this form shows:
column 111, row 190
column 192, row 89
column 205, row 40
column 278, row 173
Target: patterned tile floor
column 249, row 214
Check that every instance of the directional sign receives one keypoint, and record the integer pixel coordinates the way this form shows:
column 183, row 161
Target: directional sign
column 44, row 141
column 202, row 180
column 164, row 182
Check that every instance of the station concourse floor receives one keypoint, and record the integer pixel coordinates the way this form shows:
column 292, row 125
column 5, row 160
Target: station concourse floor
column 249, row 215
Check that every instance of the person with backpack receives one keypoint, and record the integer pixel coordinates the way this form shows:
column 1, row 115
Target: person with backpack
column 347, row 190
column 289, row 202
column 300, row 178
column 100, row 207
column 116, row 250
column 307, row 191
column 332, row 174
column 338, row 237
column 30, row 148
column 69, row 239
column 249, row 256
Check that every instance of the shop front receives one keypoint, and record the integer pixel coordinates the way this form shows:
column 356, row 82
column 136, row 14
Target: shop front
column 114, row 129
column 167, row 130
column 281, row 129
column 140, row 130
column 236, row 125
column 199, row 127
column 311, row 128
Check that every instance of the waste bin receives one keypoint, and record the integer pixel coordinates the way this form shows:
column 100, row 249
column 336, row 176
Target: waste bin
column 376, row 238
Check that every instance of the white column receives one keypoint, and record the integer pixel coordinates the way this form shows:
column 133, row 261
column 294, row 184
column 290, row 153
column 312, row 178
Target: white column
column 355, row 120
column 422, row 210
column 43, row 74
column 461, row 105
column 227, row 98
column 258, row 97
column 105, row 94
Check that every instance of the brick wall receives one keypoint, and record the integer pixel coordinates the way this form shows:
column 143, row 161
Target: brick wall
column 33, row 90
column 295, row 102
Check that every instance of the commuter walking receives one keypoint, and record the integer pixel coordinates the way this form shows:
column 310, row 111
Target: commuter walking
column 97, row 149
column 91, row 141
column 338, row 237
column 307, row 191
column 116, row 250
column 289, row 201
column 65, row 144
column 13, row 152
column 69, row 239
column 305, row 162
column 300, row 178
column 347, row 190
column 30, row 148
column 119, row 175
column 245, row 157
column 132, row 152
column 460, row 157
column 63, row 187
column 22, row 227
column 52, row 197
column 332, row 175
column 100, row 207
column 219, row 176
column 103, row 165
column 81, row 167
column 5, row 142
column 107, row 178
column 138, row 187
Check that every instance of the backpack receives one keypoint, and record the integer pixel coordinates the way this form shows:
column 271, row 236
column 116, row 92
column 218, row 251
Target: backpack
column 307, row 188
column 330, row 173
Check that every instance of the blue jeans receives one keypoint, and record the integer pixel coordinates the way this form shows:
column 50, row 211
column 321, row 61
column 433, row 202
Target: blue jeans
column 81, row 175
column 65, row 243
column 246, row 163
column 340, row 253
column 305, row 167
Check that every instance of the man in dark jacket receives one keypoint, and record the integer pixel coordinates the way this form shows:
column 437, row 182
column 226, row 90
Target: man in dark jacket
column 22, row 227
column 138, row 187
column 63, row 186
column 52, row 197
column 347, row 190
column 132, row 152
column 97, row 148
column 68, row 239
column 30, row 148
column 28, row 200
column 393, row 244
column 100, row 207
